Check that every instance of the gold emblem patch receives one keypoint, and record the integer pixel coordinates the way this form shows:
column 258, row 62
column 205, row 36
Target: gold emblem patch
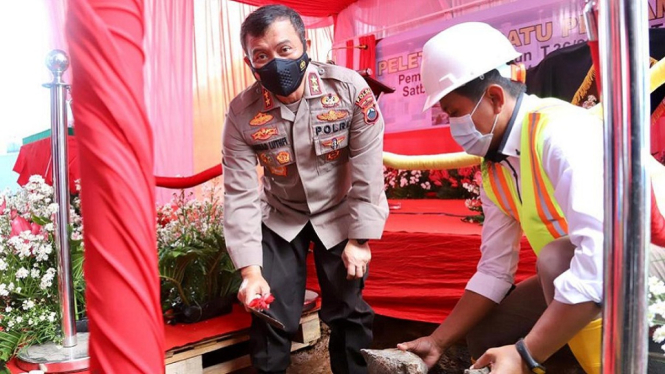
column 332, row 155
column 332, row 115
column 265, row 159
column 283, row 157
column 264, row 133
column 261, row 119
column 279, row 170
column 303, row 65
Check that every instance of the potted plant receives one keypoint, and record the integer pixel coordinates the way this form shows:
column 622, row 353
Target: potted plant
column 199, row 280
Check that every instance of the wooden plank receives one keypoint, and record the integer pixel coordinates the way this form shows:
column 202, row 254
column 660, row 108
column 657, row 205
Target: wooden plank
column 184, row 360
column 199, row 350
column 192, row 365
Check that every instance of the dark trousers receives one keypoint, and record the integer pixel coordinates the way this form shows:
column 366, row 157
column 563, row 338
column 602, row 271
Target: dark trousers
column 342, row 309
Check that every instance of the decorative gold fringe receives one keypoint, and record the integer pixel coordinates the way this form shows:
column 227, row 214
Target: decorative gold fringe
column 581, row 93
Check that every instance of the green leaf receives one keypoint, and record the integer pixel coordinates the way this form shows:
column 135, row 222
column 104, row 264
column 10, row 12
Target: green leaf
column 9, row 342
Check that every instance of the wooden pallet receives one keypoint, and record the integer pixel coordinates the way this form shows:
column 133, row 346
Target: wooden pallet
column 189, row 359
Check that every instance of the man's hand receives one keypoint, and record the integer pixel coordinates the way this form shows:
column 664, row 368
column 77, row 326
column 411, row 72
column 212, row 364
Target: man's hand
column 356, row 257
column 253, row 285
column 425, row 347
column 502, row 360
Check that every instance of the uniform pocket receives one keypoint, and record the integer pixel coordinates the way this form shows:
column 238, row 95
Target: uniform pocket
column 331, row 151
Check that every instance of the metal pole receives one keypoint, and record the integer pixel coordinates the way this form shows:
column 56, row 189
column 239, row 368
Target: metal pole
column 57, row 61
column 623, row 40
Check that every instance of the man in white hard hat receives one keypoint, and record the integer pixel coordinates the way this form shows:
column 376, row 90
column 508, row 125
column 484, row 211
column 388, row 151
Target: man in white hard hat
column 542, row 176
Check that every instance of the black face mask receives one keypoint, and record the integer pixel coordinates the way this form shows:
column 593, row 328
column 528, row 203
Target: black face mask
column 282, row 76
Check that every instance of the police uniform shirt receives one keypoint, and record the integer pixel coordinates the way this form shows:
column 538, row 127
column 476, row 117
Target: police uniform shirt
column 322, row 164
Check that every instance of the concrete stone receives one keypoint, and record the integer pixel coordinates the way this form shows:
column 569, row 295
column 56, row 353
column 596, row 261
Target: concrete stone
column 393, row 361
column 484, row 370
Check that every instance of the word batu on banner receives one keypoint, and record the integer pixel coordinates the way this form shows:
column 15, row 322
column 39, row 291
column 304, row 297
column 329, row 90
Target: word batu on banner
column 535, row 27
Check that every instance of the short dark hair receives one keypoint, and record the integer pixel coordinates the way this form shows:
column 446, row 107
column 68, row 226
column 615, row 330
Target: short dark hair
column 475, row 89
column 259, row 20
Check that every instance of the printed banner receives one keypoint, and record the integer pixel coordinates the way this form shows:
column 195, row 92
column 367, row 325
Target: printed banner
column 535, row 27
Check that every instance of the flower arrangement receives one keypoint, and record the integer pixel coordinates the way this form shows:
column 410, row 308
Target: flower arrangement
column 463, row 183
column 656, row 310
column 197, row 276
column 29, row 307
column 195, row 268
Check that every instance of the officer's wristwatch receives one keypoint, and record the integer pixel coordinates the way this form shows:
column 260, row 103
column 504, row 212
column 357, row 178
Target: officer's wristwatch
column 532, row 364
column 362, row 241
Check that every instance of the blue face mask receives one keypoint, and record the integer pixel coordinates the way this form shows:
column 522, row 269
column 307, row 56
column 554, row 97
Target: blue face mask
column 468, row 137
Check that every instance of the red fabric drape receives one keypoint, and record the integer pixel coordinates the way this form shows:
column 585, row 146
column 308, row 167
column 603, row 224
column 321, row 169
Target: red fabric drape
column 307, row 8
column 118, row 202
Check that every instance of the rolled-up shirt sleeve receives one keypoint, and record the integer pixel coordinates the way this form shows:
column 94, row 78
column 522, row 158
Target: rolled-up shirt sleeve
column 499, row 249
column 575, row 168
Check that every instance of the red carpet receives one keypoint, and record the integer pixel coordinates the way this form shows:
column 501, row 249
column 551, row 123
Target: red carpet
column 421, row 265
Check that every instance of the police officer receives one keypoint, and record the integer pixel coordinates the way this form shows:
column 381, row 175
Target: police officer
column 318, row 133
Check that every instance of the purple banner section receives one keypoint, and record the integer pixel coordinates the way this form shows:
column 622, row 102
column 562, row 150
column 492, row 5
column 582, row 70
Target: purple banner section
column 535, row 27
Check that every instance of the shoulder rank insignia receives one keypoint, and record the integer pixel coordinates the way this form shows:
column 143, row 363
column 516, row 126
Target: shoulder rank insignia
column 365, row 98
column 314, row 84
column 260, row 119
column 264, row 133
column 283, row 157
column 332, row 115
column 330, row 100
column 334, row 142
column 278, row 170
column 267, row 100
column 371, row 115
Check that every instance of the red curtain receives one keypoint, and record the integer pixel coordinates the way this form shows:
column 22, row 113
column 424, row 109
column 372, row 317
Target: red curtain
column 116, row 151
column 307, row 8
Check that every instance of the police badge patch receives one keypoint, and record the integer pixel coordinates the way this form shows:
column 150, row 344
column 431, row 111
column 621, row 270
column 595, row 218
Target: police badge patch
column 330, row 100
column 371, row 115
column 365, row 98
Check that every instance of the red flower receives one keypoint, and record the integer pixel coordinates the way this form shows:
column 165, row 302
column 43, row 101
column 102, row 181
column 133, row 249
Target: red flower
column 19, row 224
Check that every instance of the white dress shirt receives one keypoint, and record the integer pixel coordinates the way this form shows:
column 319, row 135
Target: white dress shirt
column 573, row 160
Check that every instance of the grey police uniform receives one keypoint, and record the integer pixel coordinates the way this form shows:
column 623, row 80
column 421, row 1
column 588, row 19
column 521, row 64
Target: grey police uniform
column 323, row 183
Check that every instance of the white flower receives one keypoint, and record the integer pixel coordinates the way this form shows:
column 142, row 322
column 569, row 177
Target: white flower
column 48, row 227
column 34, row 273
column 8, row 309
column 659, row 335
column 3, row 265
column 28, row 304
column 3, row 290
column 11, row 286
column 42, row 317
column 52, row 209
column 30, row 322
column 10, row 324
column 22, row 273
column 19, row 319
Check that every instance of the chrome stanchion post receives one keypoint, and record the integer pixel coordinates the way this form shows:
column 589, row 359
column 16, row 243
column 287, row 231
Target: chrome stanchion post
column 57, row 62
column 623, row 40
column 72, row 355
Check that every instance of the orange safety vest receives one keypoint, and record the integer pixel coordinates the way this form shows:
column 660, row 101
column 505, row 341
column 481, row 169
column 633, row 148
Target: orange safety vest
column 539, row 213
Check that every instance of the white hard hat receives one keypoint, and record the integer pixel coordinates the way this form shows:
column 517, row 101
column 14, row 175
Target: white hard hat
column 460, row 54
